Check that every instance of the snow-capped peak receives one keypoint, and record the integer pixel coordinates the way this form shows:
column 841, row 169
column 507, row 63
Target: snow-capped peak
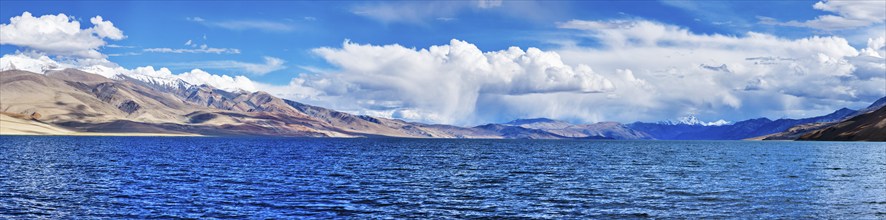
column 720, row 122
column 39, row 63
column 692, row 120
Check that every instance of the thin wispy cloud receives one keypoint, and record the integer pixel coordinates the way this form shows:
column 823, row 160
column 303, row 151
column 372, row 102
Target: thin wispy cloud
column 845, row 15
column 242, row 25
column 124, row 54
column 419, row 12
column 118, row 46
column 712, row 12
column 489, row 3
column 270, row 64
column 201, row 49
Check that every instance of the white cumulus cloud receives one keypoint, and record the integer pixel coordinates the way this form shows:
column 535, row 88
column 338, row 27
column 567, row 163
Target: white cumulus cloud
column 59, row 35
column 443, row 82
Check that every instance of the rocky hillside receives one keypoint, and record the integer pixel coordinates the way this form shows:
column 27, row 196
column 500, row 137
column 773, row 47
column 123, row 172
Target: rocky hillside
column 797, row 131
column 869, row 126
column 83, row 101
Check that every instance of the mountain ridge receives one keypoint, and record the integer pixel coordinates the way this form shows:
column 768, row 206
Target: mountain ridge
column 868, row 126
column 86, row 102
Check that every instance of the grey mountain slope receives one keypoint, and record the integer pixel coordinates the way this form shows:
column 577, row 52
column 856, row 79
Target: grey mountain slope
column 540, row 123
column 388, row 127
column 517, row 132
column 610, row 130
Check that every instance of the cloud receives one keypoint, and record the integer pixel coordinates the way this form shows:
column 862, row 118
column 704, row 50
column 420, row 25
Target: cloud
column 271, row 64
column 195, row 19
column 106, row 29
column 876, row 47
column 846, row 15
column 419, row 12
column 488, row 3
column 59, row 35
column 642, row 71
column 722, row 68
column 738, row 77
column 224, row 82
column 720, row 13
column 118, row 46
column 242, row 25
column 441, row 84
column 257, row 25
column 202, row 49
column 124, row 54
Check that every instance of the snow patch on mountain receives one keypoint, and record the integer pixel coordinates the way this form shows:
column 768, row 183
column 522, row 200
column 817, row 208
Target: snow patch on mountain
column 692, row 120
column 540, row 123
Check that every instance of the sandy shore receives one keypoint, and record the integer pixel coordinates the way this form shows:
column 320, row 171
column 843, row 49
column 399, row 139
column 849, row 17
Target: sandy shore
column 16, row 126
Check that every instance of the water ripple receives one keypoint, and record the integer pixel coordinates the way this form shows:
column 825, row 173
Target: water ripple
column 236, row 178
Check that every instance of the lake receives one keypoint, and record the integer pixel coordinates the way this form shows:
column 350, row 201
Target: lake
column 191, row 177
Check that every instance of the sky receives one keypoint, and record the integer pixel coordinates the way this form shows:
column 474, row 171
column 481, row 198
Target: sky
column 475, row 62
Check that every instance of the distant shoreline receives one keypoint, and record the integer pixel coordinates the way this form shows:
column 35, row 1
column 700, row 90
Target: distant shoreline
column 16, row 126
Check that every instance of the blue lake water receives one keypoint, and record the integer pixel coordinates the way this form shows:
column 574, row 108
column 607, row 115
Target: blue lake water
column 145, row 177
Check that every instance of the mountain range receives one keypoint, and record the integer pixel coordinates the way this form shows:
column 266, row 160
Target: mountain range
column 72, row 101
column 739, row 130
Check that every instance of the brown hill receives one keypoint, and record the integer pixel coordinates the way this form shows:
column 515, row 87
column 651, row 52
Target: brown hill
column 82, row 101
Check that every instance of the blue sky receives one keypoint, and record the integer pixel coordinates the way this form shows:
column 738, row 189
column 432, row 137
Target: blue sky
column 290, row 33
